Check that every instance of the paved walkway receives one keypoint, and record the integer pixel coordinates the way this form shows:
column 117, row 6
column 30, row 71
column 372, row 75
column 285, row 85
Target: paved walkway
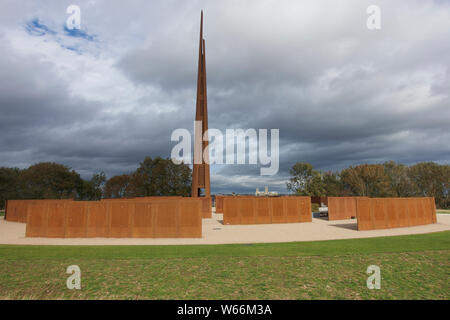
column 214, row 232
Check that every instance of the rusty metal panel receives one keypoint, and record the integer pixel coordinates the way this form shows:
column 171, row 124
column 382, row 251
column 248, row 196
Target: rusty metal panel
column 433, row 210
column 292, row 205
column 247, row 210
column 363, row 214
column 18, row 209
column 97, row 220
column 143, row 224
column 426, row 207
column 166, row 219
column 266, row 210
column 391, row 212
column 350, row 205
column 332, row 208
column 342, row 208
column 278, row 210
column 379, row 214
column 22, row 211
column 263, row 211
column 120, row 220
column 305, row 209
column 206, row 207
column 219, row 204
column 37, row 222
column 190, row 219
column 76, row 220
column 11, row 214
column 170, row 218
column 421, row 219
column 411, row 219
column 56, row 224
column 231, row 211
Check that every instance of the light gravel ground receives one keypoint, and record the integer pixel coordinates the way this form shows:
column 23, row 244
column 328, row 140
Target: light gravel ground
column 214, row 232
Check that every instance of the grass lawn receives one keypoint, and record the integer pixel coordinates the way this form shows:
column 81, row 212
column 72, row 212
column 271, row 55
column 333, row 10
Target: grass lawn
column 443, row 211
column 2, row 213
column 412, row 267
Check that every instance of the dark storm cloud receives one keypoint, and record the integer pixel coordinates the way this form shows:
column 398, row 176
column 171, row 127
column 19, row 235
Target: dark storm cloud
column 339, row 93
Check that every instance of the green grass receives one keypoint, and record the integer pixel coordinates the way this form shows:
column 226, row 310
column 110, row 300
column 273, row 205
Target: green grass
column 443, row 211
column 412, row 267
column 2, row 213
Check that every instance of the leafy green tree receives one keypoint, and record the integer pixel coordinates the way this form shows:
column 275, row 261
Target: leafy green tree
column 432, row 180
column 116, row 187
column 366, row 180
column 332, row 184
column 160, row 177
column 305, row 181
column 93, row 189
column 47, row 180
column 9, row 178
column 400, row 184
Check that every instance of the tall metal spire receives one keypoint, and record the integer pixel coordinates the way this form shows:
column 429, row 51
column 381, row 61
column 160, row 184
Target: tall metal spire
column 201, row 174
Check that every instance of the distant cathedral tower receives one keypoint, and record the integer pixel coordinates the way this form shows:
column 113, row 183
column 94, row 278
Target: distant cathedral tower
column 201, row 176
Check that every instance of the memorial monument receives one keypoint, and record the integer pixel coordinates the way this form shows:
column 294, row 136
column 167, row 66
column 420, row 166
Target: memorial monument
column 201, row 175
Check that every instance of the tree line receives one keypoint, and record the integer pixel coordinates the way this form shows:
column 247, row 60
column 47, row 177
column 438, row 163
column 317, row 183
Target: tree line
column 161, row 177
column 390, row 179
column 48, row 180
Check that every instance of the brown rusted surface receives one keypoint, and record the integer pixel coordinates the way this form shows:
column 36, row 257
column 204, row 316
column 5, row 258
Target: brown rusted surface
column 387, row 213
column 76, row 220
column 17, row 209
column 206, row 207
column 190, row 221
column 266, row 210
column 151, row 218
column 342, row 208
column 97, row 220
column 219, row 204
column 142, row 199
column 37, row 223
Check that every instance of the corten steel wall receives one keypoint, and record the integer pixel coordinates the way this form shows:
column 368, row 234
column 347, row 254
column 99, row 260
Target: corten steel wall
column 386, row 213
column 266, row 210
column 206, row 207
column 219, row 204
column 142, row 198
column 219, row 201
column 17, row 209
column 342, row 208
column 176, row 218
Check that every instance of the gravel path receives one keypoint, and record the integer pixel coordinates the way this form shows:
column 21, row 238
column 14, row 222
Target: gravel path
column 214, row 232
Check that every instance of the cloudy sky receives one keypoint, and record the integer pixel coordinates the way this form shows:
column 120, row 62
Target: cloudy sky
column 103, row 97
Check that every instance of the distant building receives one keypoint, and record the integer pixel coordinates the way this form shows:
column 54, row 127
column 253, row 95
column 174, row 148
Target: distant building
column 265, row 193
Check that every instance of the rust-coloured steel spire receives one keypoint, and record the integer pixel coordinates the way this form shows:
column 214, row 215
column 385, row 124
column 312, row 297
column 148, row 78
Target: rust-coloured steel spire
column 200, row 176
